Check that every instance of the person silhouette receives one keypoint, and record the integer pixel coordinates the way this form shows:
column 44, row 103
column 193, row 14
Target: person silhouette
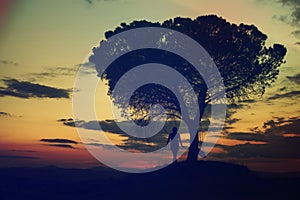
column 175, row 140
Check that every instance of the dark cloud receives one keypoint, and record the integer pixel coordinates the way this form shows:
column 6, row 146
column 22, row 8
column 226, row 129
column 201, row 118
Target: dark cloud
column 242, row 104
column 295, row 78
column 277, row 137
column 92, row 2
column 86, row 64
column 247, row 101
column 294, row 18
column 87, row 68
column 295, row 5
column 23, row 151
column 112, row 127
column 296, row 33
column 96, row 144
column 281, row 18
column 235, row 106
column 106, row 125
column 129, row 142
column 68, row 122
column 232, row 108
column 274, row 142
column 244, row 136
column 59, row 140
column 17, row 157
column 282, row 89
column 4, row 114
column 285, row 95
column 282, row 126
column 62, row 145
column 4, row 92
column 8, row 62
column 65, row 120
column 89, row 1
column 277, row 147
column 25, row 89
column 232, row 121
column 53, row 72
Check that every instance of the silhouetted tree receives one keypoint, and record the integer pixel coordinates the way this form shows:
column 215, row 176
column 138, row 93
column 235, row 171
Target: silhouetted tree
column 246, row 65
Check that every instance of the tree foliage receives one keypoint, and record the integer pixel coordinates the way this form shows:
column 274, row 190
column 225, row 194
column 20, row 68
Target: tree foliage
column 246, row 64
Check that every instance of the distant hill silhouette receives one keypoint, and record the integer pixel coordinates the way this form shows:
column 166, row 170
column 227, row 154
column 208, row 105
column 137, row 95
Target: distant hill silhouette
column 214, row 180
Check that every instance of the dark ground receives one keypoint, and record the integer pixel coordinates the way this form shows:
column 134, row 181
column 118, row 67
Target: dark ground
column 200, row 180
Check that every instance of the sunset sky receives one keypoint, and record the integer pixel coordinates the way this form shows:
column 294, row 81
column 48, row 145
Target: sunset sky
column 44, row 42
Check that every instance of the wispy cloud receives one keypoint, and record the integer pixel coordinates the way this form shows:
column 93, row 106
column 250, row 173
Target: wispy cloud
column 25, row 89
column 295, row 78
column 297, row 43
column 8, row 62
column 54, row 72
column 294, row 18
column 87, row 68
column 232, row 121
column 6, row 114
column 291, row 94
column 3, row 114
column 89, row 1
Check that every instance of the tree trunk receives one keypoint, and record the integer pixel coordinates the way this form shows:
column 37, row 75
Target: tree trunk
column 194, row 146
column 194, row 149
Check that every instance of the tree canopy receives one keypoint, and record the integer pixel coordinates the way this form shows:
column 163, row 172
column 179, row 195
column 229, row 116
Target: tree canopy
column 246, row 64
